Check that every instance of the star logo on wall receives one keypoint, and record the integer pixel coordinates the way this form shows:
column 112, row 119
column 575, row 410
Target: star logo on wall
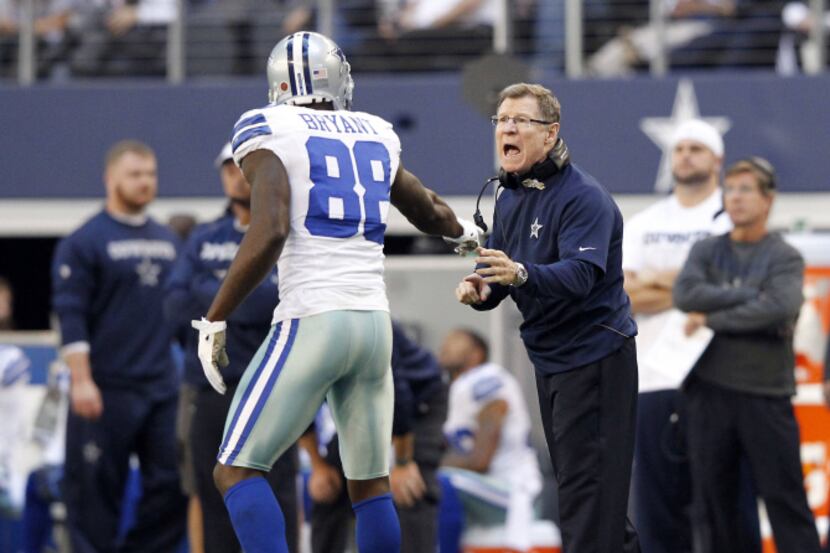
column 535, row 228
column 148, row 272
column 660, row 129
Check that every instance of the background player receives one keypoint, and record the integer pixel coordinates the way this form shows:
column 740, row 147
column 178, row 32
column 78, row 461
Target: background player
column 322, row 178
column 491, row 474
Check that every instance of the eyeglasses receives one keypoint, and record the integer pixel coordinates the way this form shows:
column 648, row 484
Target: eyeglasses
column 519, row 120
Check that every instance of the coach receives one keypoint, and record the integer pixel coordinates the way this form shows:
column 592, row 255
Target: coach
column 555, row 249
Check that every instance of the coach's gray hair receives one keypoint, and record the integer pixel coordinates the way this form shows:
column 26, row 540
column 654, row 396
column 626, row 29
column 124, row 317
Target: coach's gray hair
column 548, row 103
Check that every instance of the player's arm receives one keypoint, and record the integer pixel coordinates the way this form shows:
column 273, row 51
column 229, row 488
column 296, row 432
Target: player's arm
column 263, row 243
column 422, row 207
column 487, row 437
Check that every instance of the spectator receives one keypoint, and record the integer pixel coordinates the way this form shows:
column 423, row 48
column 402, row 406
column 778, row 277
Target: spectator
column 746, row 286
column 123, row 38
column 244, row 23
column 432, row 34
column 688, row 21
column 196, row 278
column 107, row 278
column 53, row 34
column 796, row 50
column 420, row 410
column 491, row 475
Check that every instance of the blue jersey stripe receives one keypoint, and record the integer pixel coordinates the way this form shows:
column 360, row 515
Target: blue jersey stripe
column 241, row 405
column 266, row 393
column 249, row 134
column 255, row 119
column 289, row 55
column 306, row 66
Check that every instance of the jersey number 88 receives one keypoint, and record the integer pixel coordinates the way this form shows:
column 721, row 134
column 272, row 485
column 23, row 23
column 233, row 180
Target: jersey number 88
column 335, row 208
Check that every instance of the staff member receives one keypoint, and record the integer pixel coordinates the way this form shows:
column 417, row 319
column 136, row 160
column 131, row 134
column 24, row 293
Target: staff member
column 195, row 279
column 746, row 286
column 556, row 250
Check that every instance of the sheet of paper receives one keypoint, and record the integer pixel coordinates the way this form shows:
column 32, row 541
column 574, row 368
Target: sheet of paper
column 673, row 354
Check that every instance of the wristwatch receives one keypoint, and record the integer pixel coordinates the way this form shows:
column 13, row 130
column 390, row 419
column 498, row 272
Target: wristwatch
column 521, row 276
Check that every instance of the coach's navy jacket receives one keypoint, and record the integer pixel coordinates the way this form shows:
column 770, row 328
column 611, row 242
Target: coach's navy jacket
column 569, row 237
column 196, row 279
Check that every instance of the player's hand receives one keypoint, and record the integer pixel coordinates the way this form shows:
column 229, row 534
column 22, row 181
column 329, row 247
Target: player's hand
column 472, row 290
column 212, row 352
column 407, row 484
column 498, row 269
column 693, row 322
column 471, row 237
column 325, row 483
column 86, row 399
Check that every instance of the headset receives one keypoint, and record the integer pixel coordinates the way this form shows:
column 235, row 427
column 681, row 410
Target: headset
column 556, row 160
column 765, row 168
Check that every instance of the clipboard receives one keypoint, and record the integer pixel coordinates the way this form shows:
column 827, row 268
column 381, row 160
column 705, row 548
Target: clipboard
column 673, row 354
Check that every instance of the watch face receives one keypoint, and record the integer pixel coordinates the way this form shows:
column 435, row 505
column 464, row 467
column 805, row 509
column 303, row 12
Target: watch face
column 521, row 274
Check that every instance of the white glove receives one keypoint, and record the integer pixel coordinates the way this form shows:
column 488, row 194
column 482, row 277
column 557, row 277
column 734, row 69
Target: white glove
column 212, row 352
column 472, row 236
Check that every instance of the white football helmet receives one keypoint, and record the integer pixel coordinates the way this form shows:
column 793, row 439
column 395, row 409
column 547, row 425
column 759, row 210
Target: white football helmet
column 308, row 67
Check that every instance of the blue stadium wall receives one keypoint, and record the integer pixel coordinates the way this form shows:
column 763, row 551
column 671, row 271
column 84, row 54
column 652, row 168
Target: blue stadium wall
column 52, row 139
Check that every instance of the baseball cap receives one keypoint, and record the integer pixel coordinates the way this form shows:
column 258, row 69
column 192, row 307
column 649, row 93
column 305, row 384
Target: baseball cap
column 699, row 131
column 226, row 154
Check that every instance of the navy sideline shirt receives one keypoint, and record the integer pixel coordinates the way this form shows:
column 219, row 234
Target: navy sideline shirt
column 196, row 279
column 569, row 237
column 107, row 280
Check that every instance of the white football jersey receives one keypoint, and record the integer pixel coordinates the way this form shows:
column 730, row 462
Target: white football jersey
column 659, row 239
column 340, row 166
column 514, row 460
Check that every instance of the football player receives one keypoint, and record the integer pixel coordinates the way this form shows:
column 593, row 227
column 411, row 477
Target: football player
column 322, row 178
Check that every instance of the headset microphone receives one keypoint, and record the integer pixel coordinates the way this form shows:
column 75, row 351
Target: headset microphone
column 477, row 217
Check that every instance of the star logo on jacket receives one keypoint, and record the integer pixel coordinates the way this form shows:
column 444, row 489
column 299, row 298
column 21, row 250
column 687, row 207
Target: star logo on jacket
column 535, row 228
column 148, row 272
